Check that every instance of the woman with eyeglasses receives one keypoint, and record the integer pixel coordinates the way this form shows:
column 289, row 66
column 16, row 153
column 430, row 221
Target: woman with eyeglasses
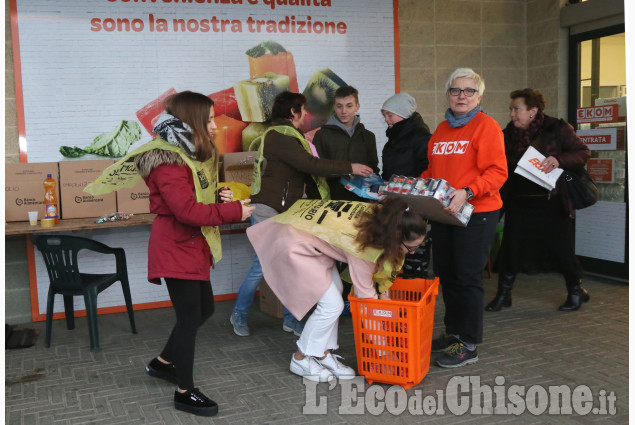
column 467, row 150
column 538, row 234
column 300, row 268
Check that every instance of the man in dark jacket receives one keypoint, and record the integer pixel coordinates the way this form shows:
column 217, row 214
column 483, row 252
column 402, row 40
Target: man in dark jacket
column 406, row 152
column 345, row 138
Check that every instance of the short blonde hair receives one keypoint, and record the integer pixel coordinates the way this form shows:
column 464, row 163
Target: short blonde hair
column 466, row 73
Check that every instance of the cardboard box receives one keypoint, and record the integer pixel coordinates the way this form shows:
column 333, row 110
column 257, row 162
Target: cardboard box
column 24, row 190
column 269, row 303
column 134, row 200
column 238, row 167
column 74, row 177
column 429, row 207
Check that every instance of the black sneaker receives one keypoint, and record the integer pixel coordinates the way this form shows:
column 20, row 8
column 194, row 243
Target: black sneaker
column 442, row 343
column 158, row 369
column 456, row 356
column 194, row 401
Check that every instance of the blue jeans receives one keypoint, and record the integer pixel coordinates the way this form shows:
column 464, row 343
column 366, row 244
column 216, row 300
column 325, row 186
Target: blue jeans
column 248, row 288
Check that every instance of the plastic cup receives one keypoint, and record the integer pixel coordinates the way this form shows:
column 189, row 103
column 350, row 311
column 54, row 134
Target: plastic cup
column 33, row 218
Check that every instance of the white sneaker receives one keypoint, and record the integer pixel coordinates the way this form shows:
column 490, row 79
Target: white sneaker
column 309, row 368
column 338, row 369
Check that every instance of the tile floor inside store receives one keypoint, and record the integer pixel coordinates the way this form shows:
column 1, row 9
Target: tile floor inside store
column 530, row 345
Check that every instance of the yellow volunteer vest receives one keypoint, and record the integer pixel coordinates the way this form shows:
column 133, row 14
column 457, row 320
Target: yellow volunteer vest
column 323, row 187
column 333, row 222
column 123, row 173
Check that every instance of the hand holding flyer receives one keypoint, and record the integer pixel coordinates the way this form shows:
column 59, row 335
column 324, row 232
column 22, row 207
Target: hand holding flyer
column 529, row 166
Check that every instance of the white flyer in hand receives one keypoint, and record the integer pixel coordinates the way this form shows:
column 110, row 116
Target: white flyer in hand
column 529, row 167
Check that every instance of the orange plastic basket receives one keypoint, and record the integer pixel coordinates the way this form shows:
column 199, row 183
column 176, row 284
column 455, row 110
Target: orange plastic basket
column 393, row 337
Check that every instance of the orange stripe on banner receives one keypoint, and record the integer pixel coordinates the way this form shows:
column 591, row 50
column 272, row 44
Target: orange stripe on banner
column 17, row 70
column 395, row 13
column 107, row 310
column 37, row 317
column 30, row 258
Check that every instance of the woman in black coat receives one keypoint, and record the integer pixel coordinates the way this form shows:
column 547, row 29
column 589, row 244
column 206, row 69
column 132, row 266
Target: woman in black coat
column 538, row 233
column 406, row 152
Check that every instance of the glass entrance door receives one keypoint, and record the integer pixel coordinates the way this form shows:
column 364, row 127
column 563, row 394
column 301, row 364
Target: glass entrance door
column 597, row 104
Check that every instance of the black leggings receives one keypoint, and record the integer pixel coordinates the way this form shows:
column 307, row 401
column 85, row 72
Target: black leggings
column 193, row 302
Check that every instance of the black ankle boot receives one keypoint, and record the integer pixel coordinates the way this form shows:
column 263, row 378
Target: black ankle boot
column 194, row 401
column 503, row 296
column 577, row 296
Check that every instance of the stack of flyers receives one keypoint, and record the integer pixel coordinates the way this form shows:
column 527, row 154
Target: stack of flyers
column 465, row 213
column 530, row 166
column 395, row 183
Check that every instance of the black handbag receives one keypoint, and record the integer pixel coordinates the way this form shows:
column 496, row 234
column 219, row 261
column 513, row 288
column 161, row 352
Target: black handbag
column 581, row 189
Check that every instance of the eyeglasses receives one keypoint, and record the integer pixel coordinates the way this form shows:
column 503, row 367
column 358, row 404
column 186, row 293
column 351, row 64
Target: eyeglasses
column 411, row 249
column 467, row 92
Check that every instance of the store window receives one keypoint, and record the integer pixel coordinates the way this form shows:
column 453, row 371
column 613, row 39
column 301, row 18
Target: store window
column 603, row 81
column 597, row 106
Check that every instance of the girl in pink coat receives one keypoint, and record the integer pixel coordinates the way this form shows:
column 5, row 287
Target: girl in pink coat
column 300, row 269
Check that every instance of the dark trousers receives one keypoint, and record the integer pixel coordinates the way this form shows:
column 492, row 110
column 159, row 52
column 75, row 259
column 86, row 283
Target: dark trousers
column 193, row 302
column 539, row 238
column 460, row 255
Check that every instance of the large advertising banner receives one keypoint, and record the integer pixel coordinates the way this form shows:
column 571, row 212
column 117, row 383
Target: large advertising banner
column 94, row 74
column 92, row 77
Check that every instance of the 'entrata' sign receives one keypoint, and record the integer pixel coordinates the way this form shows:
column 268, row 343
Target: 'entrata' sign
column 605, row 113
column 599, row 139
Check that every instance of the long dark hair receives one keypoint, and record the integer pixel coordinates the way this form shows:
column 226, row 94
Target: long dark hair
column 193, row 108
column 386, row 226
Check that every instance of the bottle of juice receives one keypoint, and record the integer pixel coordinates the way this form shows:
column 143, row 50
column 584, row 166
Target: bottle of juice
column 50, row 199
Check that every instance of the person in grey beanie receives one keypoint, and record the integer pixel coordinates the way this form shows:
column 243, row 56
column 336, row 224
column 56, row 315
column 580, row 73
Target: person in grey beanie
column 406, row 152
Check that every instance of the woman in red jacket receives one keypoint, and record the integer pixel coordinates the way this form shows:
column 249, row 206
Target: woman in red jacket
column 180, row 171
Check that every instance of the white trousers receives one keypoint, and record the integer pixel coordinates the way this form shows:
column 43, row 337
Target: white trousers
column 320, row 330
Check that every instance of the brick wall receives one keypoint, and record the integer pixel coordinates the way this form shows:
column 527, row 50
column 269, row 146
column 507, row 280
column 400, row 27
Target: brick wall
column 511, row 43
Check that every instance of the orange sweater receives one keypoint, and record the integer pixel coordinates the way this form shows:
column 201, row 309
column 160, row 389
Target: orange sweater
column 473, row 156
